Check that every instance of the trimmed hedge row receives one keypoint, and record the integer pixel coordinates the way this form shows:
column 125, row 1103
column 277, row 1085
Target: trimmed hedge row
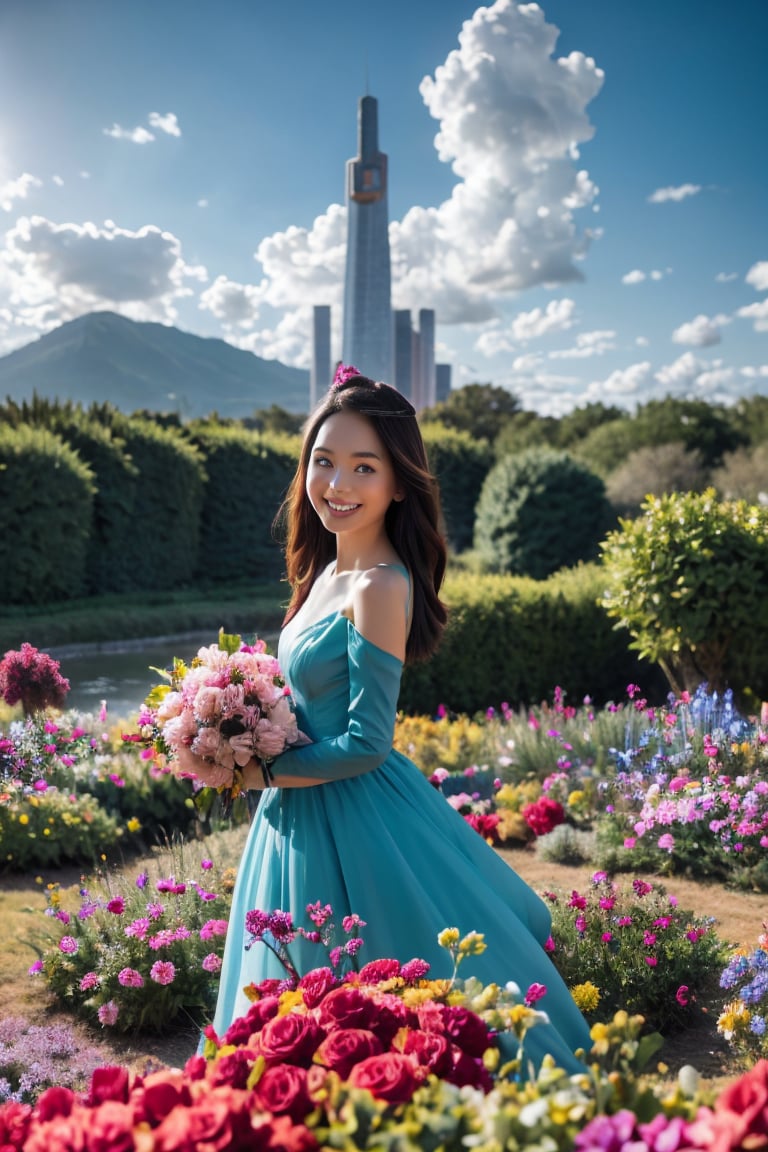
column 514, row 639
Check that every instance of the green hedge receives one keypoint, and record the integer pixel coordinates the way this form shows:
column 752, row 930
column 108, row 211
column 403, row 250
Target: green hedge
column 514, row 639
column 247, row 476
column 46, row 498
column 460, row 464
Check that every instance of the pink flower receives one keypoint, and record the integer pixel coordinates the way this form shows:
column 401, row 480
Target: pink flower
column 666, row 842
column 682, row 995
column 68, row 945
column 88, row 981
column 108, row 1014
column 211, row 962
column 116, row 906
column 130, row 978
column 414, row 969
column 534, row 993
column 163, row 972
column 651, row 961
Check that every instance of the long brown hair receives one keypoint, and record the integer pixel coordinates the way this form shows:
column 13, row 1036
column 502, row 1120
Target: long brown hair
column 412, row 523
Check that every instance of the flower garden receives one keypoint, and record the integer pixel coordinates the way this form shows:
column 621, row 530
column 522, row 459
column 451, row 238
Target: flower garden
column 384, row 1056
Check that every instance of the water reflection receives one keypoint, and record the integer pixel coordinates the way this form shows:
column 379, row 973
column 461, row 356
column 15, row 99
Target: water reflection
column 122, row 674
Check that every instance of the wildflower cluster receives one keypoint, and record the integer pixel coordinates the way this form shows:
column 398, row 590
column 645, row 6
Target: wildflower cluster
column 33, row 679
column 639, row 950
column 472, row 794
column 139, row 956
column 34, row 1057
column 744, row 1020
column 41, row 752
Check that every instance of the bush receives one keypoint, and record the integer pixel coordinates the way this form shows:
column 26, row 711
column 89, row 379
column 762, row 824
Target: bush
column 247, row 475
column 46, row 499
column 744, row 475
column 525, row 637
column 539, row 512
column 460, row 464
column 687, row 579
column 51, row 829
column 637, row 950
column 652, row 471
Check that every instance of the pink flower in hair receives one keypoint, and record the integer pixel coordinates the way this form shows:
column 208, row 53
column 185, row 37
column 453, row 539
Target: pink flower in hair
column 344, row 372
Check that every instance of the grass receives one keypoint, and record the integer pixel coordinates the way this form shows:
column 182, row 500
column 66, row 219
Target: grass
column 237, row 607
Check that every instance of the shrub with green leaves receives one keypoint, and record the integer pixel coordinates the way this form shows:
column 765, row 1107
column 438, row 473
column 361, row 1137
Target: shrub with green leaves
column 539, row 512
column 46, row 498
column 687, row 579
column 460, row 462
column 634, row 948
column 141, row 954
column 51, row 829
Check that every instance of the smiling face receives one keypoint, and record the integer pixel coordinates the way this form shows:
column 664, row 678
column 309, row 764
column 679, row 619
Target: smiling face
column 350, row 480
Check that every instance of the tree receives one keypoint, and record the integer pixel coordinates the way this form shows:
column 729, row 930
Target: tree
column 539, row 512
column 744, row 475
column 688, row 579
column 652, row 471
column 480, row 409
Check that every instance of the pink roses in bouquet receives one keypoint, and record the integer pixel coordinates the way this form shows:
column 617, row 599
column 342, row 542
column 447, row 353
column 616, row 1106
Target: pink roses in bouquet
column 230, row 705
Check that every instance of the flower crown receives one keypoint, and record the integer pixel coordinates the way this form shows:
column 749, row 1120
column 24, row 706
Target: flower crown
column 343, row 373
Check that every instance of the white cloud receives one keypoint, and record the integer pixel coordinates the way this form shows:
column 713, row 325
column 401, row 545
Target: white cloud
column 633, row 277
column 167, row 123
column 758, row 313
column 55, row 272
column 511, row 116
column 624, row 384
column 758, row 276
column 139, row 135
column 726, row 277
column 681, row 374
column 556, row 317
column 202, row 203
column 701, row 332
column 755, row 373
column 595, row 343
column 17, row 189
column 676, row 193
column 58, row 181
column 236, row 305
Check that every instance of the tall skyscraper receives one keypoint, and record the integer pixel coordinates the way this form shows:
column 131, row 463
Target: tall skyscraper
column 367, row 329
column 403, row 364
column 320, row 372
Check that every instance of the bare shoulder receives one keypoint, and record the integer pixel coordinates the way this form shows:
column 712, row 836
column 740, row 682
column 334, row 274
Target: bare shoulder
column 380, row 606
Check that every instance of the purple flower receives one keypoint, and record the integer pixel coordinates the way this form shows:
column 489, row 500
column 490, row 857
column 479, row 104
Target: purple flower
column 130, row 978
column 35, row 969
column 142, row 880
column 68, row 945
column 163, row 972
column 108, row 1014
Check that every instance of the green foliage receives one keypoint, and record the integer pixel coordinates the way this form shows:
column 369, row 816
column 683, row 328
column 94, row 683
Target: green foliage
column 688, row 580
column 54, row 829
column 46, row 496
column 575, row 425
column 460, row 464
column 480, row 409
column 513, row 639
column 638, row 949
column 524, row 430
column 539, row 512
column 247, row 475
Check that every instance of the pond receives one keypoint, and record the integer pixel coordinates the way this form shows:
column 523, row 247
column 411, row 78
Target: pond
column 122, row 673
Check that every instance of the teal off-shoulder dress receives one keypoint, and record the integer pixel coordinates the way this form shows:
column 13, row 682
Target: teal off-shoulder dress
column 378, row 840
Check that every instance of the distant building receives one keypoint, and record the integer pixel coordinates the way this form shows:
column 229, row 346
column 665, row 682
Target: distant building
column 415, row 357
column 367, row 338
column 442, row 382
column 403, row 377
column 320, row 373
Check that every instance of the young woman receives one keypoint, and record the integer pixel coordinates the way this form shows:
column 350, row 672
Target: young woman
column 348, row 821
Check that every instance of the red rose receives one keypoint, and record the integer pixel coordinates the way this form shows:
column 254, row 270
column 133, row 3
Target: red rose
column 158, row 1095
column 110, row 1127
column 345, row 1007
column 389, row 1016
column 195, row 1068
column 391, row 1077
column 429, row 1049
column 316, row 984
column 466, row 1029
column 283, row 1090
column 289, row 1039
column 544, row 815
column 219, row 1119
column 14, row 1124
column 62, row 1134
column 234, row 1068
column 54, row 1102
column 282, row 1135
column 378, row 970
column 241, row 1029
column 345, row 1047
column 746, row 1103
column 109, row 1083
column 465, row 1069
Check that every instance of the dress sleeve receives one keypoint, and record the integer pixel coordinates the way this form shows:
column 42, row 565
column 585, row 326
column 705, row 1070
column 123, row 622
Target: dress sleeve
column 374, row 686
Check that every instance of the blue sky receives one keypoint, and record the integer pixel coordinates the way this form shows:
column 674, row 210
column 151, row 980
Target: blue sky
column 578, row 188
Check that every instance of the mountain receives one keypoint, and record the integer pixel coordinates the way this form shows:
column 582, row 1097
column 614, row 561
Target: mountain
column 133, row 365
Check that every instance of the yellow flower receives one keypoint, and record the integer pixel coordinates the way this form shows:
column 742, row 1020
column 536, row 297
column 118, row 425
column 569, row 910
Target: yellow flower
column 473, row 944
column 23, row 819
column 448, row 938
column 575, row 798
column 134, row 824
column 600, row 1038
column 586, row 995
column 290, row 999
column 734, row 1017
column 46, row 831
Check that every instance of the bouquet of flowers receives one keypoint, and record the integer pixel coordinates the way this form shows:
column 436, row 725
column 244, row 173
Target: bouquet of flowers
column 209, row 718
